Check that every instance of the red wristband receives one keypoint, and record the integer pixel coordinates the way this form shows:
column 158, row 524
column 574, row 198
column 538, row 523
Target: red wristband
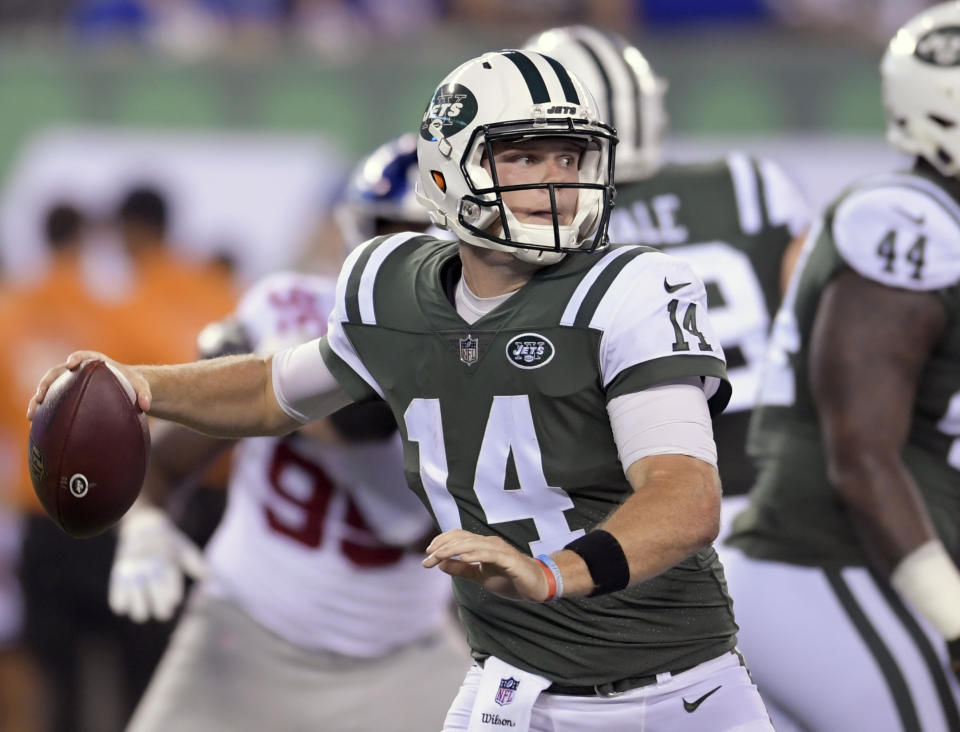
column 551, row 581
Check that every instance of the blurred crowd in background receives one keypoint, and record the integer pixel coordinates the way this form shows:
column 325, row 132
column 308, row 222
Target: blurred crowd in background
column 157, row 156
column 205, row 27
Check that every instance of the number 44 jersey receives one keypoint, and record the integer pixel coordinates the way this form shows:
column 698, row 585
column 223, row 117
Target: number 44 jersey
column 902, row 231
column 506, row 433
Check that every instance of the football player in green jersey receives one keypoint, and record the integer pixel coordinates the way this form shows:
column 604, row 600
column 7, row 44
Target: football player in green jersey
column 738, row 221
column 844, row 563
column 553, row 394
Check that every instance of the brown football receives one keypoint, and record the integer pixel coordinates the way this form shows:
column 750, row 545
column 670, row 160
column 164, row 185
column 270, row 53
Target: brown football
column 88, row 449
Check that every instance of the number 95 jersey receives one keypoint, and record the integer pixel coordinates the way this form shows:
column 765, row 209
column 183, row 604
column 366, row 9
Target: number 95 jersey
column 506, row 433
column 902, row 231
column 317, row 541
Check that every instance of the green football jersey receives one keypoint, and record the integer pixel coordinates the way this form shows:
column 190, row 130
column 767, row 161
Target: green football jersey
column 506, row 433
column 903, row 231
column 731, row 220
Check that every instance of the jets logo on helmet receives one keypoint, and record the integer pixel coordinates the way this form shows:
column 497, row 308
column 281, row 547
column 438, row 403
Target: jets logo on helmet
column 921, row 86
column 452, row 108
column 940, row 47
column 629, row 94
column 513, row 96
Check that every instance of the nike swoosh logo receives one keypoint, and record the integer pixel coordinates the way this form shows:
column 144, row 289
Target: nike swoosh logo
column 692, row 706
column 918, row 220
column 673, row 288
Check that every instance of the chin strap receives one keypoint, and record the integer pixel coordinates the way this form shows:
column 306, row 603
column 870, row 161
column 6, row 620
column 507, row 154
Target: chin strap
column 537, row 256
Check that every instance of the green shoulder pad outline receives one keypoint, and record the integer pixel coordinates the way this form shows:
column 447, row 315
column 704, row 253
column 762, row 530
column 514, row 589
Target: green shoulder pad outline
column 669, row 368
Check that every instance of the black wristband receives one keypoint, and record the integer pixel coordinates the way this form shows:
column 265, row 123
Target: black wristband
column 605, row 560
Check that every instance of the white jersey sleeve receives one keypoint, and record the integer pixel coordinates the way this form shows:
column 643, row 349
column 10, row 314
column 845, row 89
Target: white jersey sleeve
column 901, row 231
column 652, row 316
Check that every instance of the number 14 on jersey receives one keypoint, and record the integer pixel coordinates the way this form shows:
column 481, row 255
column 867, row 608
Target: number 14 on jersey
column 509, row 430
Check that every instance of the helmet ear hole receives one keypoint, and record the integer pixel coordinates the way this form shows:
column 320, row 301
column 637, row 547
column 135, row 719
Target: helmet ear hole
column 440, row 181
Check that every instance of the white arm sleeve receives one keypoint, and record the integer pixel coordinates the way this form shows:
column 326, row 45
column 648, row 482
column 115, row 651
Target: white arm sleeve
column 304, row 386
column 929, row 580
column 666, row 419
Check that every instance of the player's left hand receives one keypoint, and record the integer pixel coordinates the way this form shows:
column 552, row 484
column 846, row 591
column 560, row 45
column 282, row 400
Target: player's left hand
column 489, row 561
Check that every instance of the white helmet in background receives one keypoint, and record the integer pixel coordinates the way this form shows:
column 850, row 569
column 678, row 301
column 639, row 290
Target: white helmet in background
column 382, row 192
column 629, row 94
column 503, row 96
column 921, row 87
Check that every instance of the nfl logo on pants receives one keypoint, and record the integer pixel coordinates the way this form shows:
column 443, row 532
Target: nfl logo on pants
column 505, row 693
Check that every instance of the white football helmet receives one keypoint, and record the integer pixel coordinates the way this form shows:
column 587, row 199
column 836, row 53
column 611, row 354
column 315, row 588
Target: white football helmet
column 503, row 96
column 629, row 94
column 921, row 87
column 382, row 190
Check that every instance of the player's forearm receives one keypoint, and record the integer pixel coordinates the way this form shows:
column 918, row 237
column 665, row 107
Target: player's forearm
column 223, row 397
column 883, row 501
column 898, row 536
column 865, row 406
column 673, row 513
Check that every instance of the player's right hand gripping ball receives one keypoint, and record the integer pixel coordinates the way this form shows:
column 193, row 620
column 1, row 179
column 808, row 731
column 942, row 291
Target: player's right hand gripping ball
column 88, row 449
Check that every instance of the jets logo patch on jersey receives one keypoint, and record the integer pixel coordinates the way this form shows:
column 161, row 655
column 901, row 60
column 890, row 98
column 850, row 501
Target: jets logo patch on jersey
column 530, row 351
column 452, row 108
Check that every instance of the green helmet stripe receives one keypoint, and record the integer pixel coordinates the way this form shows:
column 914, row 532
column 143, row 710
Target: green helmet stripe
column 531, row 75
column 634, row 86
column 566, row 83
column 604, row 78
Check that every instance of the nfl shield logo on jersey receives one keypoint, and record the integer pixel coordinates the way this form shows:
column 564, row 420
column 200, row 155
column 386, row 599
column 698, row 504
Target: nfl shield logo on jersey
column 469, row 350
column 507, row 688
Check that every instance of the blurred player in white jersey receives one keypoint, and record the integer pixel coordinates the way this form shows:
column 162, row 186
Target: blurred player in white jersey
column 312, row 610
column 738, row 221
